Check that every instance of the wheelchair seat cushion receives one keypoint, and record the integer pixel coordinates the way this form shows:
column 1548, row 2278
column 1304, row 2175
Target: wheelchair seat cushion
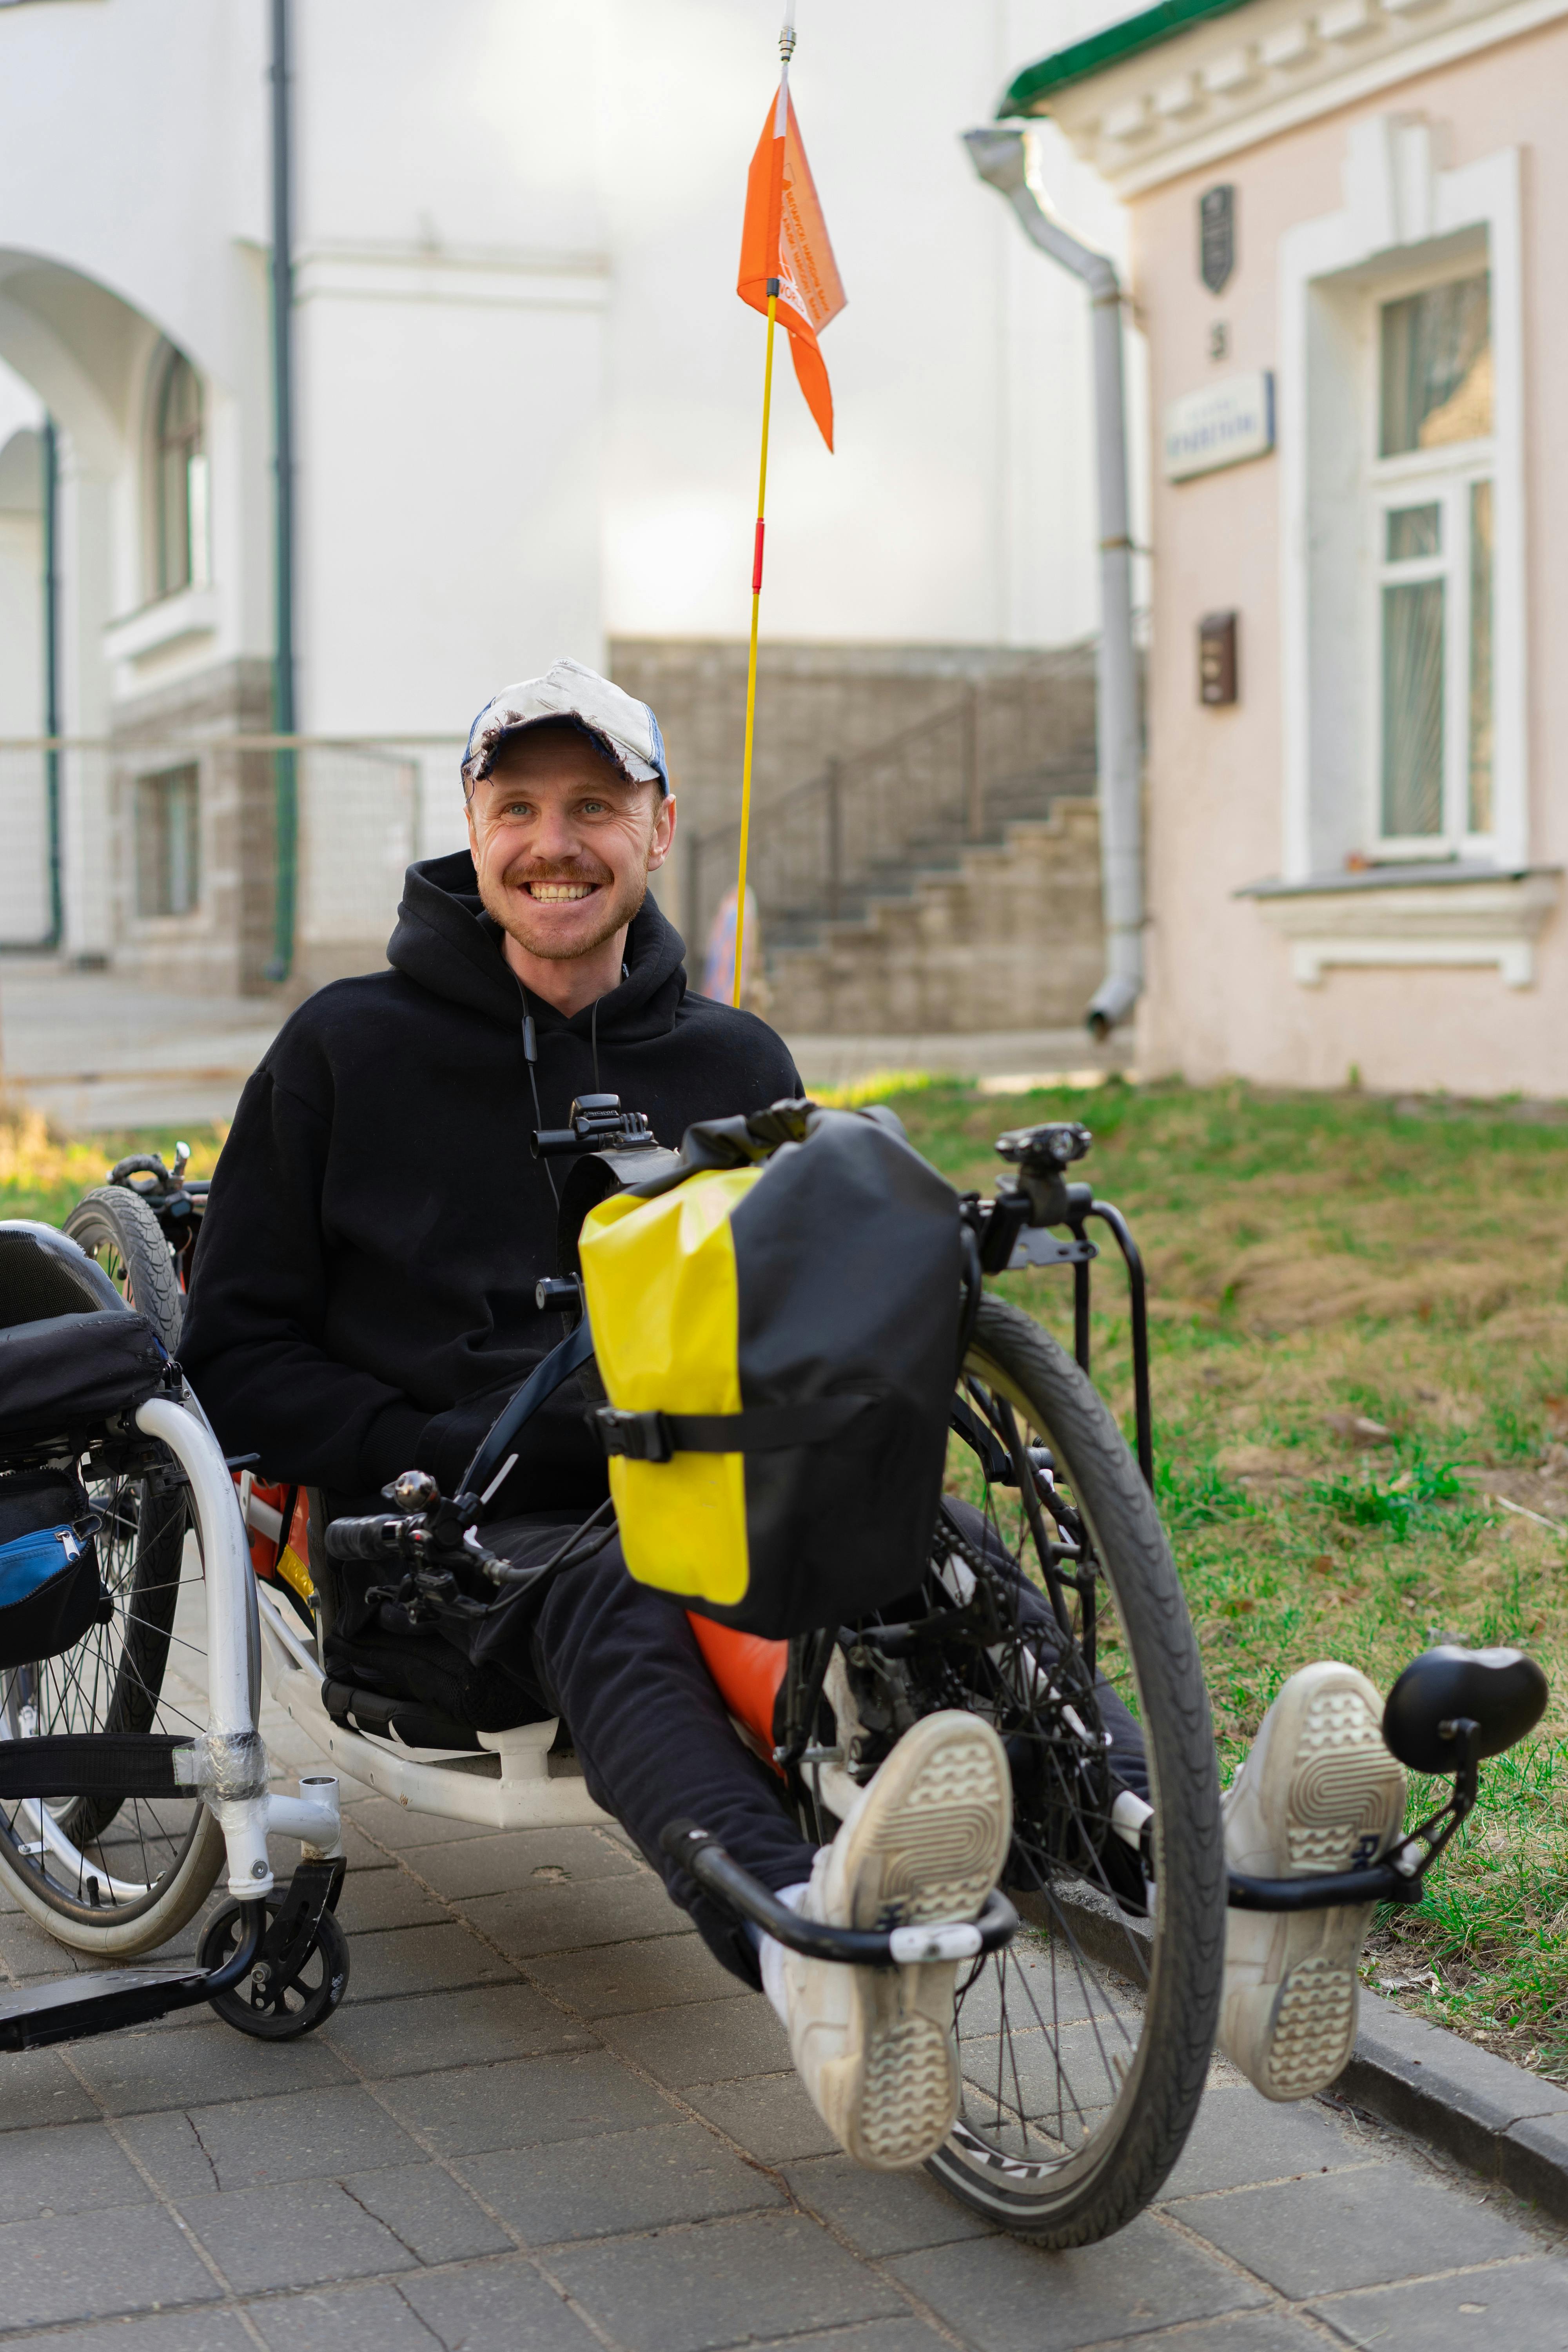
column 64, row 1372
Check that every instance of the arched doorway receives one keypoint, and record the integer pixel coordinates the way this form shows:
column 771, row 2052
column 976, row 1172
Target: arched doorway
column 163, row 851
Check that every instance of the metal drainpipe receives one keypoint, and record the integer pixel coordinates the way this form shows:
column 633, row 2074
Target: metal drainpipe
column 51, row 486
column 1000, row 157
column 285, row 782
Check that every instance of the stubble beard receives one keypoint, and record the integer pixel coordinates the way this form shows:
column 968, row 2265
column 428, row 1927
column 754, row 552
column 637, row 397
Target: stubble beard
column 617, row 905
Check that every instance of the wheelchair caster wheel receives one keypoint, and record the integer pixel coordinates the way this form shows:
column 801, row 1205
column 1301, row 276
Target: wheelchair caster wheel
column 274, row 2009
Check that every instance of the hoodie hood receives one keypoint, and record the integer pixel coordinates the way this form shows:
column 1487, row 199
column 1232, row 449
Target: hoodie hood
column 446, row 942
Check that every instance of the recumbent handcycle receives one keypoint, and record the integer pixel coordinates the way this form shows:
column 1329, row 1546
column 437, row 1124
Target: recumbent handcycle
column 133, row 1775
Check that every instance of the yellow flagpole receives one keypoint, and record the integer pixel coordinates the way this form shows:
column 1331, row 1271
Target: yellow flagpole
column 752, row 658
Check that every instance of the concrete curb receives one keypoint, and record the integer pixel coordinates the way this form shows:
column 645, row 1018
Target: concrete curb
column 1495, row 2118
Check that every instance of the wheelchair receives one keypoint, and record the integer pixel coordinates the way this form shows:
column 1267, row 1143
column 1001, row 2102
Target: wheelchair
column 131, row 1774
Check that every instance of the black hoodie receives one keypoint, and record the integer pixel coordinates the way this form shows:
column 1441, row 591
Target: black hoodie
column 362, row 1300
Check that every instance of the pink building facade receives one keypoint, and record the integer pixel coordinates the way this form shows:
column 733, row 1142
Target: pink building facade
column 1350, row 249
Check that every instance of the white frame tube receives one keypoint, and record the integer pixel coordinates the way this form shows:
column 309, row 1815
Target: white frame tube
column 524, row 1796
column 233, row 1633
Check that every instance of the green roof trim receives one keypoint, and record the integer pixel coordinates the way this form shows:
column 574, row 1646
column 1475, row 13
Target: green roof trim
column 1135, row 34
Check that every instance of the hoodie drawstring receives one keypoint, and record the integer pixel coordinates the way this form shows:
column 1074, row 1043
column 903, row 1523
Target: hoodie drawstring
column 531, row 1055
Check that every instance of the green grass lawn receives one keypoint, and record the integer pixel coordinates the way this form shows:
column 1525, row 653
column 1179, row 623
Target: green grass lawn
column 1359, row 1313
column 1360, row 1338
column 43, row 1174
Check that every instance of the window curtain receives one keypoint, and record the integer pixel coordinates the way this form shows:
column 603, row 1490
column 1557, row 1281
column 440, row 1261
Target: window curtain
column 1437, row 375
column 1413, row 707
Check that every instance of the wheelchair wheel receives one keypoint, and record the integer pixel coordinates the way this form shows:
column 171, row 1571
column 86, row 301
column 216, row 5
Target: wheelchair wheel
column 114, row 1226
column 118, row 1877
column 1055, row 1611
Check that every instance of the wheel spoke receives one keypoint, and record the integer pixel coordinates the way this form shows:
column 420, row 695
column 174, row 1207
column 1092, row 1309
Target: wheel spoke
column 1042, row 1628
column 113, row 1680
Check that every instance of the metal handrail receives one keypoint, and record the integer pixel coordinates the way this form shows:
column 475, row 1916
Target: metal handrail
column 842, row 790
column 124, row 748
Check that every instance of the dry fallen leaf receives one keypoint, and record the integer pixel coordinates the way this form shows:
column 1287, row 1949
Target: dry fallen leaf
column 1355, row 1429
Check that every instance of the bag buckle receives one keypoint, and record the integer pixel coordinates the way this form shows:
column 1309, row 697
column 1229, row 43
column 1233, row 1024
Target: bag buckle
column 640, row 1436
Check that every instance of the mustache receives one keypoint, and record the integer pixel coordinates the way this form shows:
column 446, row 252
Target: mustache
column 536, row 869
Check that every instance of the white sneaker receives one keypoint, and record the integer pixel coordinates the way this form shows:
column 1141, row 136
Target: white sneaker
column 1319, row 1792
column 926, row 1841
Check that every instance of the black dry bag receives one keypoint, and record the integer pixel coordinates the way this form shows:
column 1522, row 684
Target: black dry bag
column 778, row 1347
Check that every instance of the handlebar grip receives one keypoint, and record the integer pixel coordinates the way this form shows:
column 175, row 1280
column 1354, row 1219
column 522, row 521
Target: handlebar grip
column 557, row 1142
column 374, row 1538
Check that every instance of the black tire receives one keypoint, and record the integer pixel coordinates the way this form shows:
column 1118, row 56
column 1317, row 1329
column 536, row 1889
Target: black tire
column 259, row 2005
column 1175, row 1969
column 117, row 1878
column 115, row 1226
column 1085, row 2045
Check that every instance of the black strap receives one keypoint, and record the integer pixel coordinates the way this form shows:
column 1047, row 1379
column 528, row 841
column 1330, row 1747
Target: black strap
column 542, row 1381
column 766, row 1429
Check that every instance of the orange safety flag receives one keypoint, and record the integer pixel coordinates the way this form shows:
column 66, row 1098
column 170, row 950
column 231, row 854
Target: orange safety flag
column 786, row 236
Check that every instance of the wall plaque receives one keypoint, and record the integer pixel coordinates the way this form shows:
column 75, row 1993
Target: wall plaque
column 1220, row 425
column 1217, row 235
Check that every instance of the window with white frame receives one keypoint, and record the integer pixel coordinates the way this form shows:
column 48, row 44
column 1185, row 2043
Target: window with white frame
column 168, row 842
column 1431, row 494
column 179, row 476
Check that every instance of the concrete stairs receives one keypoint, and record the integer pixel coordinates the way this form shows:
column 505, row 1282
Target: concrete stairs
column 1007, row 937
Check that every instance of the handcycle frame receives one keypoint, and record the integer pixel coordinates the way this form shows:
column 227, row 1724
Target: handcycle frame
column 247, row 1623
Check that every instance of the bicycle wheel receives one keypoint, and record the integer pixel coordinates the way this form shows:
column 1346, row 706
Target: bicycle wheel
column 114, row 1226
column 110, row 1876
column 1055, row 1609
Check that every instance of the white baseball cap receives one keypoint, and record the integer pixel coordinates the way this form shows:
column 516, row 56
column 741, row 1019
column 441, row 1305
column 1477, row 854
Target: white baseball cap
column 623, row 728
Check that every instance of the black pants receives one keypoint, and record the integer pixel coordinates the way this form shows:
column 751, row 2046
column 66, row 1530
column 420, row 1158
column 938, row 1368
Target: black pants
column 620, row 1665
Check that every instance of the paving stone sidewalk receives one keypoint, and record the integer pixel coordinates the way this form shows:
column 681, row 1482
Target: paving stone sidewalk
column 545, row 2118
column 95, row 1051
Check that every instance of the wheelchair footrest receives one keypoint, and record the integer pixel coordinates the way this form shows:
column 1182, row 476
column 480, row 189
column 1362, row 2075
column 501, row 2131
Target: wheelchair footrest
column 74, row 2007
column 745, row 1897
column 98, row 1764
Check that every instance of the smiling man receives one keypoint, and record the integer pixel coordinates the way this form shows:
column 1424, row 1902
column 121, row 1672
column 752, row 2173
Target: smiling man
column 363, row 1298
column 364, row 1304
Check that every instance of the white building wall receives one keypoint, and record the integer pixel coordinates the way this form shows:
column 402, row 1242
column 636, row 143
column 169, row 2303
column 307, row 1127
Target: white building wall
column 24, row 871
column 527, row 394
column 955, row 508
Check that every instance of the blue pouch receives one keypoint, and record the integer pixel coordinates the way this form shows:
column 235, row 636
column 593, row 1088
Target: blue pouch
column 49, row 1593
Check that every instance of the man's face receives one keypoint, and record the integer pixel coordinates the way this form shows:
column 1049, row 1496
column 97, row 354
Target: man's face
column 563, row 844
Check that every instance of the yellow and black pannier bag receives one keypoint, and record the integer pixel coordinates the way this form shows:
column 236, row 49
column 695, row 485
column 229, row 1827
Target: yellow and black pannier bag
column 777, row 1343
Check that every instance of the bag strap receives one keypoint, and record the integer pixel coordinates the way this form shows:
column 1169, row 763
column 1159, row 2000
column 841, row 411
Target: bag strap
column 766, row 1429
column 544, row 1381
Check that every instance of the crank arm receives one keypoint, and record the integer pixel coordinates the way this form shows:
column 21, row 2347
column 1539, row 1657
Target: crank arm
column 1381, row 1883
column 744, row 1897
